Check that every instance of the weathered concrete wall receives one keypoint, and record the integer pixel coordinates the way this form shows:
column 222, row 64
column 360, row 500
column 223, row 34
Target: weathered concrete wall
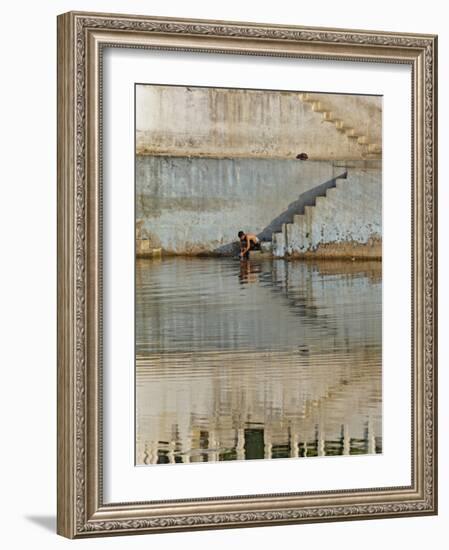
column 183, row 121
column 198, row 205
column 213, row 161
column 347, row 221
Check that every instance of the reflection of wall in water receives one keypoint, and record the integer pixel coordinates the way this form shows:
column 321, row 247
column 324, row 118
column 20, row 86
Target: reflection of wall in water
column 341, row 397
column 309, row 295
column 212, row 397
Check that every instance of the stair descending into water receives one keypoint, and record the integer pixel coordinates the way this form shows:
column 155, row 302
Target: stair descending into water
column 346, row 219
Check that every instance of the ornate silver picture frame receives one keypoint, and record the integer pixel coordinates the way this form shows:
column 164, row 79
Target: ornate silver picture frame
column 82, row 41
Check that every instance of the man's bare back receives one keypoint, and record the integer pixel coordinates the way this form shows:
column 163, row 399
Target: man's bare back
column 248, row 241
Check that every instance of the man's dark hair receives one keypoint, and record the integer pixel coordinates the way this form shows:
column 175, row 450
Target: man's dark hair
column 240, row 234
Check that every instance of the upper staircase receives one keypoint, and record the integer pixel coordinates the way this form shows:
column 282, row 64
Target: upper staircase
column 364, row 130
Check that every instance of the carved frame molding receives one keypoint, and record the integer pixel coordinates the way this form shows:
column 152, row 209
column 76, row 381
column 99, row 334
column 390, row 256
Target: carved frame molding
column 81, row 39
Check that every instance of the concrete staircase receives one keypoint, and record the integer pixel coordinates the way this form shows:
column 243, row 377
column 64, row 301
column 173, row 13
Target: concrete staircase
column 344, row 221
column 335, row 112
column 280, row 239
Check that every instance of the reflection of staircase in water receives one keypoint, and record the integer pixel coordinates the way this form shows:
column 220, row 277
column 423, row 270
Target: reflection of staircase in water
column 337, row 415
column 301, row 301
column 255, row 443
column 223, row 412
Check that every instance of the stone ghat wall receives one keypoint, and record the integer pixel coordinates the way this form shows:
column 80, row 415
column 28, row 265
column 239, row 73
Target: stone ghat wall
column 214, row 122
column 197, row 205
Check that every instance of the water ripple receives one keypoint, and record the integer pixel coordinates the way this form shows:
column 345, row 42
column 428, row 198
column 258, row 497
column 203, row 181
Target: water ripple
column 259, row 359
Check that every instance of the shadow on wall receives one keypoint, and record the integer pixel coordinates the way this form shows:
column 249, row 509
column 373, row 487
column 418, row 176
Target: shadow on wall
column 296, row 207
column 228, row 249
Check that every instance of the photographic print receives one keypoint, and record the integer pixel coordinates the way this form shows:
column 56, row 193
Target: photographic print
column 247, row 252
column 258, row 301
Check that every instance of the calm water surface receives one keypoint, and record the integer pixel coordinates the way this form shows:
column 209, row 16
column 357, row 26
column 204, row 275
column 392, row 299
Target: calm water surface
column 259, row 359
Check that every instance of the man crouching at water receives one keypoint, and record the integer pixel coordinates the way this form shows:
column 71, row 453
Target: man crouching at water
column 248, row 241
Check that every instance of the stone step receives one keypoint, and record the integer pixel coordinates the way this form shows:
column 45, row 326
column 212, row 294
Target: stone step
column 308, row 210
column 306, row 98
column 266, row 247
column 278, row 248
column 318, row 107
column 145, row 250
column 330, row 193
column 328, row 116
column 374, row 148
column 320, row 201
column 351, row 133
column 275, row 237
column 372, row 156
